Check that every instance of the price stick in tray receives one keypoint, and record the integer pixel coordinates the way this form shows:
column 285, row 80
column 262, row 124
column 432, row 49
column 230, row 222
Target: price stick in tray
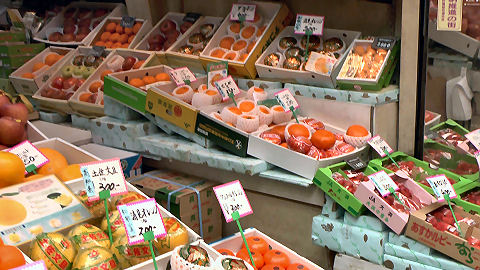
column 242, row 12
column 234, row 204
column 382, row 148
column 143, row 222
column 30, row 155
column 287, row 101
column 182, row 76
column 104, row 179
column 309, row 25
column 227, row 88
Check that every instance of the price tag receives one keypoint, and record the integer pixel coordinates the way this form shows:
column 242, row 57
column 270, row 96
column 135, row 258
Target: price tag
column 380, row 145
column 182, row 76
column 309, row 23
column 385, row 43
column 239, row 11
column 127, row 21
column 103, row 175
column 474, row 138
column 383, row 182
column 215, row 72
column 141, row 217
column 29, row 154
column 227, row 87
column 286, row 99
column 441, row 186
column 356, row 163
column 38, row 265
column 232, row 197
column 98, row 50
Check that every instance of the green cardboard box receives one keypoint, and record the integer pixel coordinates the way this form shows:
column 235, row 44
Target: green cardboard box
column 21, row 49
column 450, row 124
column 323, row 179
column 380, row 163
column 468, row 206
column 15, row 62
column 8, row 36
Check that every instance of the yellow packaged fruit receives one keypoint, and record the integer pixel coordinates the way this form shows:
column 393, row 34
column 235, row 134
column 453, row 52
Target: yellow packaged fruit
column 96, row 258
column 87, row 235
column 54, row 249
column 128, row 197
column 177, row 235
column 130, row 255
column 96, row 208
column 116, row 224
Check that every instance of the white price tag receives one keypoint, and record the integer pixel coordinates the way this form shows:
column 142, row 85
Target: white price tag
column 180, row 75
column 474, row 138
column 232, row 197
column 286, row 99
column 38, row 265
column 441, row 186
column 305, row 23
column 380, row 145
column 141, row 217
column 227, row 86
column 29, row 154
column 383, row 182
column 103, row 175
column 242, row 10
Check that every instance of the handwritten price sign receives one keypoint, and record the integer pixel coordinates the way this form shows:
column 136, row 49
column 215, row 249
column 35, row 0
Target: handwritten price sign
column 29, row 154
column 227, row 87
column 239, row 11
column 312, row 24
column 286, row 99
column 380, row 145
column 141, row 217
column 182, row 76
column 441, row 186
column 232, row 197
column 103, row 175
column 383, row 182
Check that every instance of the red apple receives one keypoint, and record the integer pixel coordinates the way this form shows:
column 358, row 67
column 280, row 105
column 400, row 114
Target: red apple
column 83, row 30
column 16, row 111
column 84, row 13
column 4, row 100
column 172, row 36
column 184, row 27
column 167, row 44
column 79, row 83
column 99, row 13
column 11, row 131
column 167, row 26
column 84, row 22
column 68, row 95
column 80, row 37
column 57, row 82
column 69, row 21
column 69, row 83
column 55, row 36
column 128, row 63
column 156, row 39
column 68, row 37
column 69, row 13
column 69, row 29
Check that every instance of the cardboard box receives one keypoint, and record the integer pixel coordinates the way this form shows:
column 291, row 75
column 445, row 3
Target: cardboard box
column 364, row 243
column 97, row 110
column 131, row 162
column 81, row 122
column 380, row 163
column 452, row 125
column 146, row 26
column 235, row 242
column 435, row 121
column 331, row 209
column 53, row 117
column 117, row 110
column 12, row 36
column 178, row 59
column 303, row 76
column 405, row 242
column 275, row 16
column 116, row 87
column 71, row 135
column 30, row 86
column 328, row 232
column 472, row 208
column 212, row 224
column 394, row 219
column 33, row 134
column 56, row 24
column 367, row 221
column 323, row 179
column 397, row 263
column 453, row 246
column 13, row 51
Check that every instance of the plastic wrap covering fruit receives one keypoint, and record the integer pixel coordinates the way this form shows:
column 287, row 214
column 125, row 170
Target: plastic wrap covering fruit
column 406, row 204
column 415, row 172
column 350, row 179
column 436, row 156
column 442, row 219
column 452, row 138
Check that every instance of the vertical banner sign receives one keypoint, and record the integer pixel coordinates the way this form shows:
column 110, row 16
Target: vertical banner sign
column 441, row 186
column 474, row 138
column 380, row 145
column 227, row 87
column 38, row 265
column 242, row 12
column 30, row 155
column 449, row 15
column 103, row 175
column 182, row 76
column 232, row 198
column 215, row 72
column 309, row 23
column 383, row 183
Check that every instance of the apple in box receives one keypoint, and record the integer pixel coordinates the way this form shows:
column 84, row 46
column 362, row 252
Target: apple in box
column 13, row 119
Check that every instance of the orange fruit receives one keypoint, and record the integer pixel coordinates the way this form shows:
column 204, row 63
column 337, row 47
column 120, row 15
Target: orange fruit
column 108, row 44
column 285, row 145
column 125, row 45
column 230, row 56
column 136, row 82
column 114, row 37
column 84, row 97
column 34, row 177
column 137, row 27
column 11, row 257
column 226, row 42
column 258, row 244
column 235, row 28
column 119, row 29
column 28, row 75
column 250, row 46
column 11, row 212
column 105, row 73
column 57, row 161
column 51, row 59
column 297, row 266
column 116, row 45
column 225, row 252
column 235, row 110
column 161, row 77
column 111, row 27
column 94, row 87
column 242, row 57
column 246, row 106
column 248, row 32
column 240, row 44
column 277, row 257
column 100, row 43
column 357, row 131
column 182, row 90
column 105, row 36
column 138, row 64
column 298, row 130
column 280, row 131
column 148, row 80
column 273, row 267
column 12, row 169
column 257, row 257
column 261, row 30
column 2, row 244
column 323, row 139
column 37, row 66
column 217, row 53
column 130, row 39
column 128, row 31
column 123, row 38
column 70, row 172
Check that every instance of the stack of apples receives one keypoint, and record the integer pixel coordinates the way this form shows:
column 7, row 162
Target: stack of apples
column 168, row 34
column 13, row 120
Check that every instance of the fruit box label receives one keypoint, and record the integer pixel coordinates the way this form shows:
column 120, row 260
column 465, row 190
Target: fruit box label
column 175, row 112
column 125, row 93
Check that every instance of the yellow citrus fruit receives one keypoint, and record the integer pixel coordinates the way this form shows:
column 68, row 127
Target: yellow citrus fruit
column 70, row 172
column 56, row 163
column 11, row 212
column 12, row 169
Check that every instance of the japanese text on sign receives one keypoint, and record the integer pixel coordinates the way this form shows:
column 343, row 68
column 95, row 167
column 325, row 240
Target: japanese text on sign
column 449, row 15
column 181, row 75
column 232, row 197
column 227, row 87
column 247, row 12
column 474, row 138
column 441, row 186
column 305, row 23
column 380, row 145
column 38, row 265
column 383, row 182
column 286, row 99
column 141, row 217
column 385, row 43
column 356, row 163
column 103, row 175
column 29, row 154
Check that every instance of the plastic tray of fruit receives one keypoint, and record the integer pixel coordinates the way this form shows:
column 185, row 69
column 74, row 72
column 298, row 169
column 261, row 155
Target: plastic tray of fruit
column 340, row 182
column 451, row 134
column 78, row 23
column 440, row 155
column 469, row 198
column 418, row 170
column 32, row 75
column 285, row 57
column 112, row 35
column 63, row 83
column 88, row 99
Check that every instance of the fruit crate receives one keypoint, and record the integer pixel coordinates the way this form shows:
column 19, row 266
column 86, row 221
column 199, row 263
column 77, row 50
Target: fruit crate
column 324, row 180
column 466, row 205
column 101, row 40
column 452, row 125
column 380, row 164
